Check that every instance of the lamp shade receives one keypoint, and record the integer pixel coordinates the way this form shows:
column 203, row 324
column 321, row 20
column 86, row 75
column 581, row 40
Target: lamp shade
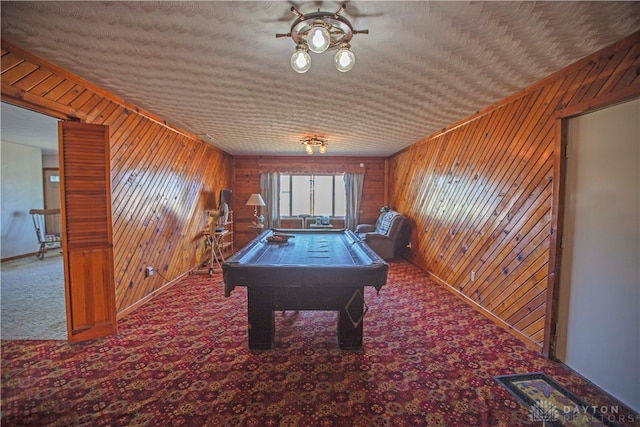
column 255, row 200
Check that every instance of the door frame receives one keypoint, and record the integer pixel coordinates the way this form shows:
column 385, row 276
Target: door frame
column 562, row 117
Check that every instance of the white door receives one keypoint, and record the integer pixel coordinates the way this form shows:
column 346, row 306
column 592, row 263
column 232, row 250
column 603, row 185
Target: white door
column 598, row 330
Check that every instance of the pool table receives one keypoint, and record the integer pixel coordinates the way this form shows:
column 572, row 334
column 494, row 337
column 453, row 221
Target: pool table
column 316, row 269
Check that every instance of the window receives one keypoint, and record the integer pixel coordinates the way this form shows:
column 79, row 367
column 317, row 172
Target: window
column 314, row 195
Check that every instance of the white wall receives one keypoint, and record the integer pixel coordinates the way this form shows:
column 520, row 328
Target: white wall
column 599, row 306
column 21, row 190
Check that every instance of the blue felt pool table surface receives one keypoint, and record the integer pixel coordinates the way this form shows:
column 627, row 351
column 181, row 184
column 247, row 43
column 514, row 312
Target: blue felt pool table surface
column 315, row 257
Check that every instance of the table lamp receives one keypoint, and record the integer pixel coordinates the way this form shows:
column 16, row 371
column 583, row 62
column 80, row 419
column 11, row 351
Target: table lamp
column 256, row 200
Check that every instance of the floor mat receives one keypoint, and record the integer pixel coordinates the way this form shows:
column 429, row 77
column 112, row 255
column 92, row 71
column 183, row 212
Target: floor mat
column 551, row 403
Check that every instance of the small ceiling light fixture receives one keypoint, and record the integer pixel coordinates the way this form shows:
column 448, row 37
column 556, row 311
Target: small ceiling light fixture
column 310, row 142
column 318, row 32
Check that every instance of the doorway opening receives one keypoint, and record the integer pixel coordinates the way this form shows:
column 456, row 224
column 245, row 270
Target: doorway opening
column 32, row 290
column 599, row 287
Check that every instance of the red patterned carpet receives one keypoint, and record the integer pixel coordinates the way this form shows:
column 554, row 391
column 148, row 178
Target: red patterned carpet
column 428, row 360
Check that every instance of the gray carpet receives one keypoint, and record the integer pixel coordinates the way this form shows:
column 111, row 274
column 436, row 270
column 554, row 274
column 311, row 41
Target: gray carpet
column 32, row 299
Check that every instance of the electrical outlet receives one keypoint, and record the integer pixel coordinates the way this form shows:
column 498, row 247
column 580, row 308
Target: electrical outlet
column 148, row 272
column 473, row 276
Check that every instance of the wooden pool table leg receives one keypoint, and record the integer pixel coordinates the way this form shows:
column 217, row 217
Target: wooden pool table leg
column 261, row 318
column 350, row 336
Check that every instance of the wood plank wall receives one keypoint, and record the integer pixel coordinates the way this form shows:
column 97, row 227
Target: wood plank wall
column 247, row 181
column 163, row 180
column 479, row 194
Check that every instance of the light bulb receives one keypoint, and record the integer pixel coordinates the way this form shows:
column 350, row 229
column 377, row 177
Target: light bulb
column 309, row 149
column 318, row 38
column 300, row 60
column 344, row 59
column 323, row 148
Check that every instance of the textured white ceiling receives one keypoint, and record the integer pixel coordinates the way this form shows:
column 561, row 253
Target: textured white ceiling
column 217, row 69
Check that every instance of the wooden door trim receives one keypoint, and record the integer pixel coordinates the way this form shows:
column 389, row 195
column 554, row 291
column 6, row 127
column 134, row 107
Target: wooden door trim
column 20, row 98
column 555, row 244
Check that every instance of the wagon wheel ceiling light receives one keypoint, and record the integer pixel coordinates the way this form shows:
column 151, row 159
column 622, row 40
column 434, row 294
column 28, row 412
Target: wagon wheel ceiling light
column 310, row 142
column 318, row 32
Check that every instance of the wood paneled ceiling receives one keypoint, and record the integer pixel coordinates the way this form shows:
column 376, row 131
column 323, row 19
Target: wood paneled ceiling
column 217, row 70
